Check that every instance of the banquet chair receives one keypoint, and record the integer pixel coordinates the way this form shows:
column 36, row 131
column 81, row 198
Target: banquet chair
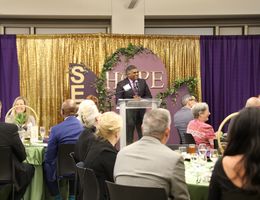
column 76, row 189
column 88, row 182
column 181, row 136
column 189, row 139
column 176, row 146
column 126, row 192
column 65, row 165
column 7, row 169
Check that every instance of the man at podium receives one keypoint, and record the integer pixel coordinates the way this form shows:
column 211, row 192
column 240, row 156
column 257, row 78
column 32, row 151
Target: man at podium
column 136, row 88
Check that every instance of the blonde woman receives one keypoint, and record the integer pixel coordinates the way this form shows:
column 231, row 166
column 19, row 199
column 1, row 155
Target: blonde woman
column 102, row 154
column 20, row 115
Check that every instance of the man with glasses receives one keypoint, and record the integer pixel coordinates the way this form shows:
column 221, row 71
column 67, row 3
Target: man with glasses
column 133, row 87
column 184, row 116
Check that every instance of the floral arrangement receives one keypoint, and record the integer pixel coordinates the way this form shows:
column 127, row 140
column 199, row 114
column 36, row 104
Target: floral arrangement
column 20, row 119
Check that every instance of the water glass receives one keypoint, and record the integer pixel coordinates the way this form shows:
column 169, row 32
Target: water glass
column 214, row 155
column 42, row 132
column 202, row 149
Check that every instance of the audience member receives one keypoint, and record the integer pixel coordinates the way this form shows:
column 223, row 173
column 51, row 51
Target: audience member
column 149, row 162
column 19, row 115
column 183, row 116
column 101, row 155
column 237, row 174
column 23, row 172
column 87, row 114
column 253, row 102
column 200, row 130
column 67, row 132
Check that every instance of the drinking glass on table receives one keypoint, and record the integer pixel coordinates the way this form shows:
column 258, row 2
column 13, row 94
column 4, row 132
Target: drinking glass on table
column 183, row 151
column 42, row 132
column 192, row 148
column 214, row 155
column 202, row 149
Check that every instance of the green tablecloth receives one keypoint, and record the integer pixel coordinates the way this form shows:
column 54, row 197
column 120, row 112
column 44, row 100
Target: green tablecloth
column 35, row 156
column 197, row 178
column 198, row 192
column 36, row 190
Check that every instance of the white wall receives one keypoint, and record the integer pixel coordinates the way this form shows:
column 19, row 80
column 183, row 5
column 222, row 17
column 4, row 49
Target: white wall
column 151, row 7
column 201, row 7
column 127, row 21
column 124, row 20
column 74, row 8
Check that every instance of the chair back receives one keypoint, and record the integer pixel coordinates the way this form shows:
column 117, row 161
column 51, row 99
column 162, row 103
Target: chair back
column 126, row 192
column 73, row 159
column 7, row 168
column 88, row 182
column 65, row 165
column 189, row 139
column 76, row 184
column 176, row 146
column 181, row 135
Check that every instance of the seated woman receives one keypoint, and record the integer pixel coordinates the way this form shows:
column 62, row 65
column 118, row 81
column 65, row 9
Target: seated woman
column 201, row 131
column 19, row 115
column 237, row 174
column 87, row 114
column 102, row 155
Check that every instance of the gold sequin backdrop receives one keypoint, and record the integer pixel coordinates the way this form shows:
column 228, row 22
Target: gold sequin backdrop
column 44, row 62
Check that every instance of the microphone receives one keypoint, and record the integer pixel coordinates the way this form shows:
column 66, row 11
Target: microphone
column 136, row 85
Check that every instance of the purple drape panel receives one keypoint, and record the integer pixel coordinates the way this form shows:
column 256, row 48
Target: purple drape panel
column 230, row 73
column 9, row 72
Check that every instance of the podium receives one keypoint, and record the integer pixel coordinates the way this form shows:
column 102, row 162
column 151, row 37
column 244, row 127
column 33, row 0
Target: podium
column 125, row 104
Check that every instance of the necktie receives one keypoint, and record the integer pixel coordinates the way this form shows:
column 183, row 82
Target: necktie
column 135, row 84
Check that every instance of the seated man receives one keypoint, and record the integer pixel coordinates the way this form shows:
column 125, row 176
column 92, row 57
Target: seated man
column 67, row 132
column 183, row 116
column 23, row 172
column 149, row 162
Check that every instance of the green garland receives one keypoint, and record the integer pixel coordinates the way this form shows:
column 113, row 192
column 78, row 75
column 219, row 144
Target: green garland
column 110, row 62
column 190, row 82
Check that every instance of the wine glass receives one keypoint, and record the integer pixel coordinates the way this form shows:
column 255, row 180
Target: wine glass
column 42, row 132
column 202, row 149
column 214, row 155
column 183, row 151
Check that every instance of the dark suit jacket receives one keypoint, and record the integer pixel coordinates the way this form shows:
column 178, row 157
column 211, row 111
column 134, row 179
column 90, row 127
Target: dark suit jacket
column 143, row 90
column 9, row 137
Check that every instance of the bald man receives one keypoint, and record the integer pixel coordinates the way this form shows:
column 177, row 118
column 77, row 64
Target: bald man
column 253, row 102
column 66, row 132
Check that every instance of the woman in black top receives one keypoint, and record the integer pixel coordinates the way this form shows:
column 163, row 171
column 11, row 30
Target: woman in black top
column 101, row 155
column 237, row 174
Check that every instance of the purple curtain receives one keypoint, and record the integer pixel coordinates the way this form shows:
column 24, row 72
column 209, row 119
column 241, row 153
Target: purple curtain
column 230, row 73
column 9, row 72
